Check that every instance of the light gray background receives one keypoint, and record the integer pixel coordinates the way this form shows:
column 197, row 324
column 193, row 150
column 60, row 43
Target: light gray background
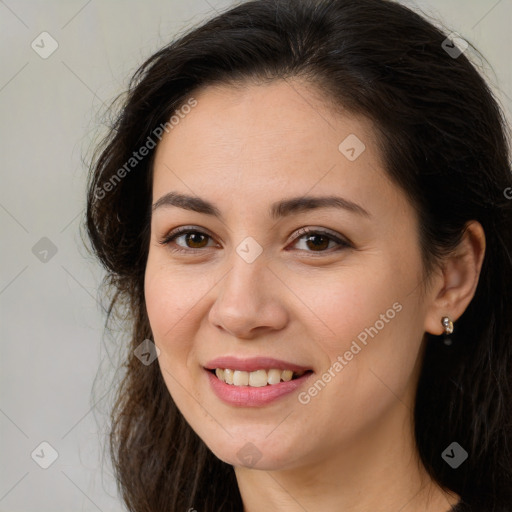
column 51, row 323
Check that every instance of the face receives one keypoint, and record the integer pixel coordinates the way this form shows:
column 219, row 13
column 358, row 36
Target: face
column 332, row 290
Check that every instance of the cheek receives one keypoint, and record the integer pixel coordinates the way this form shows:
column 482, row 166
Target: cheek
column 173, row 297
column 172, row 303
column 173, row 300
column 373, row 332
column 355, row 305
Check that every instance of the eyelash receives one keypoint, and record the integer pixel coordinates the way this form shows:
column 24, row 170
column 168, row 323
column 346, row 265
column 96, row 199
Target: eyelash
column 301, row 233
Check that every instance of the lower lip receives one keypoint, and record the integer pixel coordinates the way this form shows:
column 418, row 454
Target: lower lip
column 248, row 396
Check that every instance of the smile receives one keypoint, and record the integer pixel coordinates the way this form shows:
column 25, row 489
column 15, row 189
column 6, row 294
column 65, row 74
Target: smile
column 256, row 379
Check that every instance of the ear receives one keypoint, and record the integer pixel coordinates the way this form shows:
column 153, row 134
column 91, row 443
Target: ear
column 454, row 287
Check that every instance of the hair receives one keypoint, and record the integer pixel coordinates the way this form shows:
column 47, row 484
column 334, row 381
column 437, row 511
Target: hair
column 443, row 140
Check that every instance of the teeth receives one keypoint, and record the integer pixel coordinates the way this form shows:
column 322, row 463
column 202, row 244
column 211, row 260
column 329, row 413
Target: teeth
column 257, row 379
column 240, row 378
column 287, row 375
column 228, row 376
column 274, row 376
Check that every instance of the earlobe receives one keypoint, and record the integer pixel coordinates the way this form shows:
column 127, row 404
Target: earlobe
column 455, row 289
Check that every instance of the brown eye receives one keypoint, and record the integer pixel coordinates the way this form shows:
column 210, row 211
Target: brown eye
column 189, row 240
column 196, row 239
column 319, row 241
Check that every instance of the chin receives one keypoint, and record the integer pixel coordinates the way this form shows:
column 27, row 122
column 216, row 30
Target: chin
column 254, row 452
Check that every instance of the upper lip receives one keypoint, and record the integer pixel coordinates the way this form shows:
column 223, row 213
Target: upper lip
column 252, row 364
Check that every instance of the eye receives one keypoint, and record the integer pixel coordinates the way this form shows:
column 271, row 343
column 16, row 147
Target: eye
column 192, row 239
column 315, row 240
column 319, row 240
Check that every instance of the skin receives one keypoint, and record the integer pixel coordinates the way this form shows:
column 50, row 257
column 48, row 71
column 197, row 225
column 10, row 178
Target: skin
column 351, row 448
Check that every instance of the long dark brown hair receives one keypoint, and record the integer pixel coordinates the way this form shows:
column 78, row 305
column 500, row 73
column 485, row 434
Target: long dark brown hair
column 444, row 141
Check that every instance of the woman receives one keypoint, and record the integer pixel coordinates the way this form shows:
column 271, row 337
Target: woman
column 303, row 206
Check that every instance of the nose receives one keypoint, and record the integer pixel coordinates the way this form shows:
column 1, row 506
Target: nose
column 249, row 302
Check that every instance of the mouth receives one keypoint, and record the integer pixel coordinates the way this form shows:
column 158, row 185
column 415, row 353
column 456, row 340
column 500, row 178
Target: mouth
column 258, row 378
column 256, row 381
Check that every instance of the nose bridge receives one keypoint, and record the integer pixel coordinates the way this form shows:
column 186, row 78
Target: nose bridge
column 248, row 268
column 244, row 285
column 247, row 299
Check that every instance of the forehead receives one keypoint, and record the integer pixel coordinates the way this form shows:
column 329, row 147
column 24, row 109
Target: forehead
column 261, row 142
column 282, row 117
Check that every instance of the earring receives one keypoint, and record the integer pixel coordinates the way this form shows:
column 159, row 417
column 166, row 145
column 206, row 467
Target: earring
column 448, row 329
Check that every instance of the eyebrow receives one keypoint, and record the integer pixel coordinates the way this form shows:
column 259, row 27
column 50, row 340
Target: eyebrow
column 277, row 210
